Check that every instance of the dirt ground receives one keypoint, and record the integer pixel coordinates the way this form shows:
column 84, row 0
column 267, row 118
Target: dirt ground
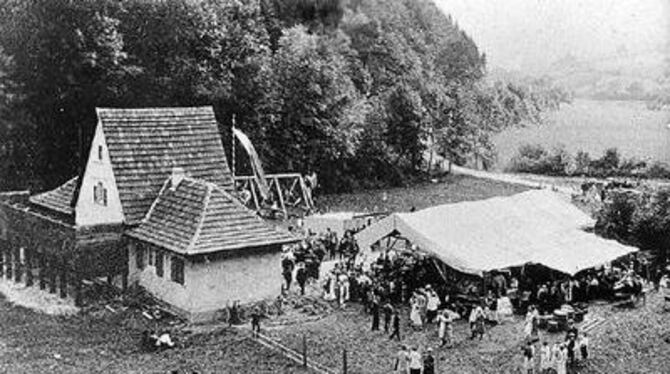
column 106, row 342
column 627, row 341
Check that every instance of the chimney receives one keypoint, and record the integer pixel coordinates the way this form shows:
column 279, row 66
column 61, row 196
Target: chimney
column 178, row 175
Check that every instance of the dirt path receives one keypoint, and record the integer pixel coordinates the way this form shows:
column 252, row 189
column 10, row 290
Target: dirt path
column 554, row 184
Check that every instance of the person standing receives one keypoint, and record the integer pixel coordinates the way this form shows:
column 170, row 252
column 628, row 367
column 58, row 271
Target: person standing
column 433, row 304
column 375, row 313
column 528, row 358
column 584, row 346
column 287, row 271
column 415, row 361
column 343, row 283
column 477, row 322
column 442, row 327
column 256, row 322
column 429, row 362
column 301, row 277
column 396, row 326
column 388, row 313
column 401, row 360
column 571, row 341
column 560, row 359
column 546, row 358
column 415, row 312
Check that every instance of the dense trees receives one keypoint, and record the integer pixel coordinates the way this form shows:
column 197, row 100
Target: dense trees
column 641, row 218
column 357, row 90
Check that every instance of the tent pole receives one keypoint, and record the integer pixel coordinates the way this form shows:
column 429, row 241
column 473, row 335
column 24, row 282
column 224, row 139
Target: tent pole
column 439, row 270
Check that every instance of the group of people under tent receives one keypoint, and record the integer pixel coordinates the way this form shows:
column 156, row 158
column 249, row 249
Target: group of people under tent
column 302, row 261
column 407, row 284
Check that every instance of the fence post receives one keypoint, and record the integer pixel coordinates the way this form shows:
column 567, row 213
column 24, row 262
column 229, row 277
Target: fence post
column 344, row 361
column 304, row 351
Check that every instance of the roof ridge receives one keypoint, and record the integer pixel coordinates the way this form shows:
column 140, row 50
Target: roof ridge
column 239, row 204
column 153, row 204
column 203, row 214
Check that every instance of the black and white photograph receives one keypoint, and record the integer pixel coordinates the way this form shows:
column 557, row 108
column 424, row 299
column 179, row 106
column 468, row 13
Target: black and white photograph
column 335, row 186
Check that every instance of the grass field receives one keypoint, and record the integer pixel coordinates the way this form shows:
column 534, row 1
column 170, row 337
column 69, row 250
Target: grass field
column 594, row 126
column 32, row 342
column 452, row 189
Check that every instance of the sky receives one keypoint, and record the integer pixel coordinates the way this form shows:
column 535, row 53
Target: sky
column 530, row 34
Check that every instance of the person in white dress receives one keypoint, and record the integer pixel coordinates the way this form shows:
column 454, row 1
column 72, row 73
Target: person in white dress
column 560, row 359
column 546, row 358
column 505, row 308
column 446, row 327
column 415, row 314
column 332, row 285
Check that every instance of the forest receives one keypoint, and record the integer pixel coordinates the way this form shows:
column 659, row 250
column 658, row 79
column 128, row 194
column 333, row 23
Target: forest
column 356, row 90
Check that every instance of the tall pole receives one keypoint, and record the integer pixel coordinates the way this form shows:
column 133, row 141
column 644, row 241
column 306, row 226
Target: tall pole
column 232, row 149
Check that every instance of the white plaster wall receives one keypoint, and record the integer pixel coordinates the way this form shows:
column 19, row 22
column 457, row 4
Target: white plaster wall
column 247, row 278
column 87, row 212
column 211, row 286
column 163, row 288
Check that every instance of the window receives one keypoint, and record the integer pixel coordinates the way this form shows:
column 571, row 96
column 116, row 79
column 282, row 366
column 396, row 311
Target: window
column 150, row 252
column 177, row 267
column 159, row 263
column 100, row 194
column 139, row 256
column 100, row 152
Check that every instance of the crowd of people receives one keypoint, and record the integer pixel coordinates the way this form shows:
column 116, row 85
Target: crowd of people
column 402, row 280
column 557, row 357
column 411, row 361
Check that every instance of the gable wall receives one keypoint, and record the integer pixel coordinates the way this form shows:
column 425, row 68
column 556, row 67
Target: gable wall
column 87, row 211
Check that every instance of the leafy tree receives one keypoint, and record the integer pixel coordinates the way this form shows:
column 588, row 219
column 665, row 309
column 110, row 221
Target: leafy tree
column 318, row 113
column 68, row 56
column 608, row 164
column 641, row 219
column 615, row 219
column 582, row 163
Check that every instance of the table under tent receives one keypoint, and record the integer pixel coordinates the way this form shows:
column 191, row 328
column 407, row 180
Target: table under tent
column 535, row 230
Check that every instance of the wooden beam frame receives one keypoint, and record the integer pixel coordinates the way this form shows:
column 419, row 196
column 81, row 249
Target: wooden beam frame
column 279, row 184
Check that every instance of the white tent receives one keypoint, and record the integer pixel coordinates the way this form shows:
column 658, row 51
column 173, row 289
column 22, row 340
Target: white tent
column 537, row 226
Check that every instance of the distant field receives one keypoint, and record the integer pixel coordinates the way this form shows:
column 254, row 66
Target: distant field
column 594, row 126
column 452, row 189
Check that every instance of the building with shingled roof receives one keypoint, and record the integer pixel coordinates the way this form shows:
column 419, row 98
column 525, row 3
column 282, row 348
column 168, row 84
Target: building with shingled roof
column 157, row 193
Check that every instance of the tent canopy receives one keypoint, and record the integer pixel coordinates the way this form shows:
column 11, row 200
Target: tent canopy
column 537, row 226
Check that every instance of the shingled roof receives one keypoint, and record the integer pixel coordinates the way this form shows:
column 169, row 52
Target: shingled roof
column 199, row 217
column 146, row 144
column 59, row 199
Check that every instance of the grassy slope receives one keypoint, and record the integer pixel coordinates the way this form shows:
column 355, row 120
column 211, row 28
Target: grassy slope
column 29, row 343
column 453, row 188
column 594, row 126
column 629, row 341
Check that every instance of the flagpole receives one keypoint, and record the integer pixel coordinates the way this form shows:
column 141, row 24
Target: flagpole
column 232, row 152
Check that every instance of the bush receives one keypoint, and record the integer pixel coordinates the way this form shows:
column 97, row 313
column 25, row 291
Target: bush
column 658, row 170
column 535, row 159
column 607, row 165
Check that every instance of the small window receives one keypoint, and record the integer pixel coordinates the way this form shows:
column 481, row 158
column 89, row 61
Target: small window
column 100, row 152
column 139, row 256
column 100, row 194
column 177, row 267
column 151, row 261
column 159, row 263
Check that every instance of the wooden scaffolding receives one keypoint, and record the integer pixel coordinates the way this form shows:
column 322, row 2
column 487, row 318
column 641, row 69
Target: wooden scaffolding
column 288, row 195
